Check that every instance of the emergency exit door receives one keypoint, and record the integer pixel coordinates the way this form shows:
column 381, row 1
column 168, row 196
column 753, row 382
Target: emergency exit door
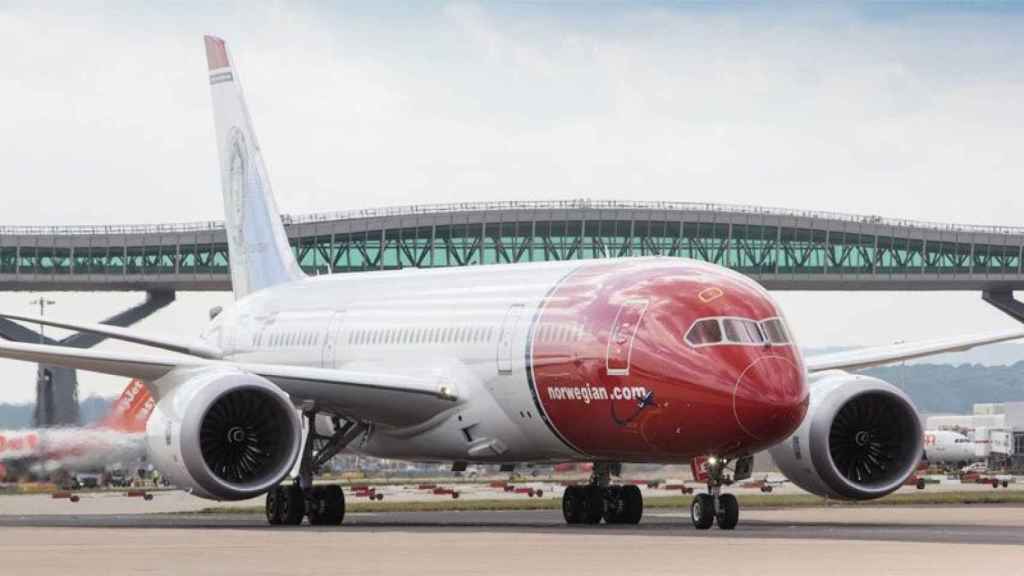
column 508, row 330
column 330, row 350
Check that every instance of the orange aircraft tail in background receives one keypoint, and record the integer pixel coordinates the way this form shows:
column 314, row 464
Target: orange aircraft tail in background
column 131, row 411
column 116, row 438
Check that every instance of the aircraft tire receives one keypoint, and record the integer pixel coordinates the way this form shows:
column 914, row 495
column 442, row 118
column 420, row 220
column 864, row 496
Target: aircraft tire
column 634, row 504
column 572, row 505
column 728, row 512
column 326, row 507
column 335, row 500
column 702, row 511
column 593, row 505
column 615, row 509
column 293, row 505
column 273, row 505
column 316, row 507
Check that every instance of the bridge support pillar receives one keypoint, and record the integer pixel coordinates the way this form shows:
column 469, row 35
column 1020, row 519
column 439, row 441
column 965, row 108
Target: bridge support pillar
column 1004, row 301
column 57, row 387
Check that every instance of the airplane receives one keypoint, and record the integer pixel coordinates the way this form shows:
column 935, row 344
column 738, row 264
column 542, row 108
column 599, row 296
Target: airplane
column 945, row 447
column 609, row 361
column 119, row 437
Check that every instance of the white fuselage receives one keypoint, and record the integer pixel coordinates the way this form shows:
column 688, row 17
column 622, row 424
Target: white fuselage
column 947, row 447
column 467, row 326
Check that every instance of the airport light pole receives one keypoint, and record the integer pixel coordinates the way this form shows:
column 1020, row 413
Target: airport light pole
column 42, row 302
column 903, row 365
column 41, row 372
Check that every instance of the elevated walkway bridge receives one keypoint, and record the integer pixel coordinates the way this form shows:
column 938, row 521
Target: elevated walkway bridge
column 784, row 250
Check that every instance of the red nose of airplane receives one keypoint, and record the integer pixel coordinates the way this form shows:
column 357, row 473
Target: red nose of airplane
column 770, row 398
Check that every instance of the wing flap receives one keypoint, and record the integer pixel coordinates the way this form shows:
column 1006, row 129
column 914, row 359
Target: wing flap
column 881, row 355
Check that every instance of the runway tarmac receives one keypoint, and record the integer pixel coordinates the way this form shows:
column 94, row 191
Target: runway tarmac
column 836, row 540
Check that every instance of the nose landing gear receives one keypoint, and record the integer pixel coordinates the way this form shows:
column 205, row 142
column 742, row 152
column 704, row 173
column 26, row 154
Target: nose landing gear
column 599, row 500
column 715, row 507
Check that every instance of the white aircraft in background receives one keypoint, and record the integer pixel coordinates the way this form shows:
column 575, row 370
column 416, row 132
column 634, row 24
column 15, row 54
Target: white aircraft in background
column 945, row 447
column 119, row 437
column 604, row 361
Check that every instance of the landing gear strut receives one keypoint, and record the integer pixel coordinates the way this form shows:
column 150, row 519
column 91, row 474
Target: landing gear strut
column 288, row 504
column 716, row 507
column 599, row 500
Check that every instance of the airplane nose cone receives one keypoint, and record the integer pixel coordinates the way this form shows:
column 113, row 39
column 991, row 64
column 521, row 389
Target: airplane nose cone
column 770, row 398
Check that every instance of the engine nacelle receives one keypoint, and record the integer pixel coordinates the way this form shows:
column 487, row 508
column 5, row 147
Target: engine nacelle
column 224, row 434
column 861, row 439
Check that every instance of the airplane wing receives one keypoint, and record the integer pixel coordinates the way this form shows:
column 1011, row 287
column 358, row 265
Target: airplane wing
column 128, row 335
column 372, row 394
column 880, row 355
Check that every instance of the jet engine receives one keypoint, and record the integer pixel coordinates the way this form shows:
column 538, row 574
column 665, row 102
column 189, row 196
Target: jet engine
column 224, row 434
column 861, row 439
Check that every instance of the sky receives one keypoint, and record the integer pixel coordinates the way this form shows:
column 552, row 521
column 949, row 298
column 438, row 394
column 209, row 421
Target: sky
column 906, row 110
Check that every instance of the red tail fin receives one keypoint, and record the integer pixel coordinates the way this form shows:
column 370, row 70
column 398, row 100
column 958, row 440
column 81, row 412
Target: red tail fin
column 132, row 409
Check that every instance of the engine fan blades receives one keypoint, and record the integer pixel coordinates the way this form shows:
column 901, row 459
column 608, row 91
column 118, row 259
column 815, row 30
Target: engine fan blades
column 240, row 436
column 865, row 439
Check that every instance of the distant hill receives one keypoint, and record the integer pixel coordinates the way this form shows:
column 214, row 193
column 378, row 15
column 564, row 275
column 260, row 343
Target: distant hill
column 15, row 416
column 940, row 388
column 94, row 408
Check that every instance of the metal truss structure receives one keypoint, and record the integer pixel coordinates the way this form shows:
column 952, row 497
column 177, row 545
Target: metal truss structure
column 782, row 249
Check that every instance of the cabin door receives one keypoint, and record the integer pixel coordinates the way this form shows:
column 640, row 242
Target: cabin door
column 620, row 337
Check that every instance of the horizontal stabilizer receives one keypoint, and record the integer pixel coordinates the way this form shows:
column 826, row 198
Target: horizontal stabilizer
column 880, row 355
column 126, row 334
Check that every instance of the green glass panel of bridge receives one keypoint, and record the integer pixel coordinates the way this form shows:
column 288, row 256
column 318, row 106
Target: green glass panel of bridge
column 761, row 246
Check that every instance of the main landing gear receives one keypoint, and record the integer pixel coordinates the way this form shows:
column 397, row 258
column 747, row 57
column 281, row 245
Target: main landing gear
column 715, row 507
column 599, row 500
column 288, row 504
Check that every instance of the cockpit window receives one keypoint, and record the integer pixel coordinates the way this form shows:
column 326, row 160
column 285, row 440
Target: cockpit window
column 732, row 330
column 742, row 331
column 776, row 331
column 703, row 332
